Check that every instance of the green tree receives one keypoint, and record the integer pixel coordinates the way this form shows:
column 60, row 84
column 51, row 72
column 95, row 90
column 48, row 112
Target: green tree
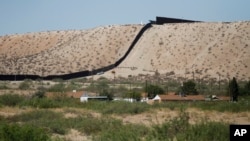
column 121, row 90
column 102, row 85
column 234, row 89
column 189, row 87
column 153, row 90
column 134, row 94
column 107, row 93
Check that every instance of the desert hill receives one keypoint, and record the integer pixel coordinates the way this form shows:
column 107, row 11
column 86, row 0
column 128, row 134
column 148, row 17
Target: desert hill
column 63, row 52
column 178, row 50
column 187, row 50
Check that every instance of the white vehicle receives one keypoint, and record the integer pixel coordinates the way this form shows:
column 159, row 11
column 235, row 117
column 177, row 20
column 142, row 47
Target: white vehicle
column 100, row 73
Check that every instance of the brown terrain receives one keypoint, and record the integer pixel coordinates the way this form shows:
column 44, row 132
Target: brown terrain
column 150, row 118
column 182, row 50
column 64, row 52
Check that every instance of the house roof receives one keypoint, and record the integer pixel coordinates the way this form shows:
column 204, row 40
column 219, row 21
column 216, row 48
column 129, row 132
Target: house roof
column 157, row 97
column 172, row 97
column 76, row 94
column 72, row 94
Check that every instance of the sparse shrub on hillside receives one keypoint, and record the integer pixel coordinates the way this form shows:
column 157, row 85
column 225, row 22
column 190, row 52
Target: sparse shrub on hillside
column 25, row 85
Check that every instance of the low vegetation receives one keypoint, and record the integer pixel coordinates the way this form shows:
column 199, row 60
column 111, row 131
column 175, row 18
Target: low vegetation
column 41, row 124
column 14, row 132
column 180, row 129
column 52, row 118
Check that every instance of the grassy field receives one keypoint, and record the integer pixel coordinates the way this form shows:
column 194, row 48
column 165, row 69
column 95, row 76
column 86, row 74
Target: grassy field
column 27, row 114
column 68, row 119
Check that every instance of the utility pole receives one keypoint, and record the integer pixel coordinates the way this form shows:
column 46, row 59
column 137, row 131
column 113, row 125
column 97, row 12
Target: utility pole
column 219, row 81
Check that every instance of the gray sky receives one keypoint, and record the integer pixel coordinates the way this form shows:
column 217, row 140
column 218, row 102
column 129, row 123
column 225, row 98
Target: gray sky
column 22, row 16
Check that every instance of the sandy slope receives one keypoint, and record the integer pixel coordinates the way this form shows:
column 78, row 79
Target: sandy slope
column 63, row 52
column 209, row 50
column 200, row 50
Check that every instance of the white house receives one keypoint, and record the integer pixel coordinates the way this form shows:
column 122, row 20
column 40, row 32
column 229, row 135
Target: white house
column 84, row 98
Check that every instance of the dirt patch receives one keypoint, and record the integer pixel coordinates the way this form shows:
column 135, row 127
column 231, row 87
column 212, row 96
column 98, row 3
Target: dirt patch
column 11, row 111
column 18, row 92
column 195, row 116
column 73, row 135
column 75, row 112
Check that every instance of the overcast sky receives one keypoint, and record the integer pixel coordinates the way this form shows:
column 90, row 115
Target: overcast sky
column 22, row 16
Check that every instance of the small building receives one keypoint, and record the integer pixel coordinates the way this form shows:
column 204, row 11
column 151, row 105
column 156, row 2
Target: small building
column 86, row 98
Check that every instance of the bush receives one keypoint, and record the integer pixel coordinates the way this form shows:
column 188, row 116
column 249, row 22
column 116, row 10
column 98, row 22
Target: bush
column 107, row 93
column 25, row 85
column 153, row 90
column 134, row 94
column 58, row 88
column 127, row 132
column 11, row 99
column 208, row 131
column 73, row 85
column 118, row 107
column 121, row 90
column 15, row 132
column 40, row 93
column 3, row 86
column 189, row 88
column 54, row 122
column 180, row 129
column 42, row 103
column 169, row 130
